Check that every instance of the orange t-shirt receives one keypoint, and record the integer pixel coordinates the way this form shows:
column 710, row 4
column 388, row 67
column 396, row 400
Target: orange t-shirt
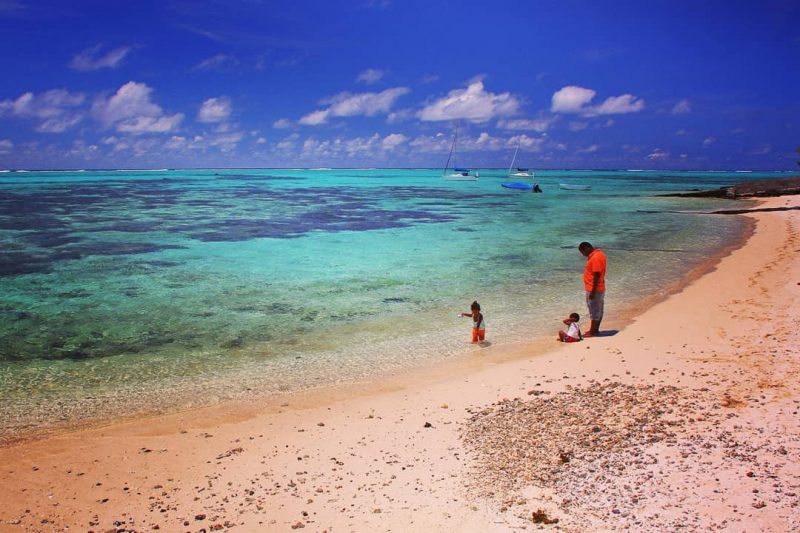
column 596, row 262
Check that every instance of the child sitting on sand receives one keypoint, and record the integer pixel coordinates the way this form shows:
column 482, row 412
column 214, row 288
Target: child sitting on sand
column 573, row 333
column 478, row 325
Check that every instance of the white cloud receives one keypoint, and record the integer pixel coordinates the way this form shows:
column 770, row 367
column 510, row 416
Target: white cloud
column 682, row 107
column 176, row 142
column 215, row 110
column 658, row 155
column 131, row 110
column 282, row 124
column 217, row 62
column 45, row 105
column 92, row 59
column 261, row 140
column 764, row 149
column 536, row 124
column 473, row 104
column 6, row 146
column 617, row 105
column 314, row 118
column 571, row 99
column 288, row 143
column 348, row 105
column 393, row 140
column 484, row 142
column 708, row 141
column 58, row 125
column 529, row 144
column 226, row 142
column 401, row 115
column 56, row 108
column 577, row 126
column 139, row 125
column 589, row 149
column 370, row 76
column 574, row 99
column 439, row 143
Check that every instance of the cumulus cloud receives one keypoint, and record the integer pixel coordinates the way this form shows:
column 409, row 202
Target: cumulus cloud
column 393, row 140
column 131, row 110
column 288, row 143
column 6, row 146
column 215, row 110
column 348, row 105
column 484, row 142
column 526, row 143
column 60, row 124
column 658, row 155
column 520, row 124
column 571, row 99
column 370, row 76
column 439, row 143
column 617, row 105
column 708, row 141
column 574, row 99
column 226, row 142
column 577, row 126
column 589, row 149
column 137, row 125
column 94, row 59
column 473, row 103
column 57, row 109
column 682, row 107
column 282, row 124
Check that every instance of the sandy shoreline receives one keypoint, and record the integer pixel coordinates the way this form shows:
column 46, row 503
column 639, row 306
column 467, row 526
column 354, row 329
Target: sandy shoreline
column 722, row 353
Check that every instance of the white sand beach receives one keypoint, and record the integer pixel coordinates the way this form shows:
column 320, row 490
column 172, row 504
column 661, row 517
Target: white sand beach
column 685, row 419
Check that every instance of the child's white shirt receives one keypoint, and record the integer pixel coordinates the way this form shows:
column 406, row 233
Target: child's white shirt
column 573, row 331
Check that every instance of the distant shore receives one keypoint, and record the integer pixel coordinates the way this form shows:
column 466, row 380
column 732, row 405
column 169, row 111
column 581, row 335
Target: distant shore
column 696, row 428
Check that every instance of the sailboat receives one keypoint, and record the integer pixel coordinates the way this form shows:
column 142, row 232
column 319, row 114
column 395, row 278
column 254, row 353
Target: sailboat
column 519, row 172
column 457, row 173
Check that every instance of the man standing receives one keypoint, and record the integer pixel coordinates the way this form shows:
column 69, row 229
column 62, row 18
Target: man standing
column 594, row 281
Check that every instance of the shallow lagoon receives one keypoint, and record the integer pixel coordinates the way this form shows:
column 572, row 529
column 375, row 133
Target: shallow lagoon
column 127, row 292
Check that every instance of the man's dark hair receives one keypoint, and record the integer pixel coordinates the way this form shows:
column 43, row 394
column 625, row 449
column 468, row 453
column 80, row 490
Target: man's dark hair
column 585, row 246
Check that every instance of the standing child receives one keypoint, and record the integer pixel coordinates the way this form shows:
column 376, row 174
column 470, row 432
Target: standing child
column 573, row 333
column 478, row 325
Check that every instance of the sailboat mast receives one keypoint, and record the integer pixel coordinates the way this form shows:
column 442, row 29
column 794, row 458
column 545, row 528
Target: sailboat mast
column 452, row 153
column 513, row 160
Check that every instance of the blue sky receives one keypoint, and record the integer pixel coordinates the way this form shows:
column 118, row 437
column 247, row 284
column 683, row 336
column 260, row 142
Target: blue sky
column 361, row 83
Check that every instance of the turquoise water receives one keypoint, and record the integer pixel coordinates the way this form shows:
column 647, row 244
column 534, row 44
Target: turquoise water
column 137, row 291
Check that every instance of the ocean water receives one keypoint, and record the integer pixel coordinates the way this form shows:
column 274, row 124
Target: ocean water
column 127, row 292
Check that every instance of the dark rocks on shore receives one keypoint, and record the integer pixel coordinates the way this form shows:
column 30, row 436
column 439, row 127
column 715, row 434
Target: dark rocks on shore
column 748, row 189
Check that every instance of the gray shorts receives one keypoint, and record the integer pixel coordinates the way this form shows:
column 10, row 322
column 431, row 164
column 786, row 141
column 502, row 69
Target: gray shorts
column 595, row 305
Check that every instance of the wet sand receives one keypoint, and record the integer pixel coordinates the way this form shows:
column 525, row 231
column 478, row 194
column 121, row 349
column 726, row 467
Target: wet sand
column 685, row 419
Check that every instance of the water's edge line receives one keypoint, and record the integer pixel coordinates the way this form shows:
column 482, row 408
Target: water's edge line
column 415, row 375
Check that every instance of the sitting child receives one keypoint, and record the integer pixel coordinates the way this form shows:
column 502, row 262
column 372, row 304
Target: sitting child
column 573, row 333
column 478, row 324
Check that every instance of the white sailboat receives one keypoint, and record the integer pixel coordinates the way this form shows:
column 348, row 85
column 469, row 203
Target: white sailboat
column 519, row 172
column 457, row 173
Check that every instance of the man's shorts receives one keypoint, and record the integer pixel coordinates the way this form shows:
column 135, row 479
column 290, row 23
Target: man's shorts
column 595, row 305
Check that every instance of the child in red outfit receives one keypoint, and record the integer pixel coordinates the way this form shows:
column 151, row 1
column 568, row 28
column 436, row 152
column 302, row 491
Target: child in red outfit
column 478, row 324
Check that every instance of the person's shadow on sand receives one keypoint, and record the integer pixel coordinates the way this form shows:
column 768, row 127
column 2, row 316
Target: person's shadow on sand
column 607, row 333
